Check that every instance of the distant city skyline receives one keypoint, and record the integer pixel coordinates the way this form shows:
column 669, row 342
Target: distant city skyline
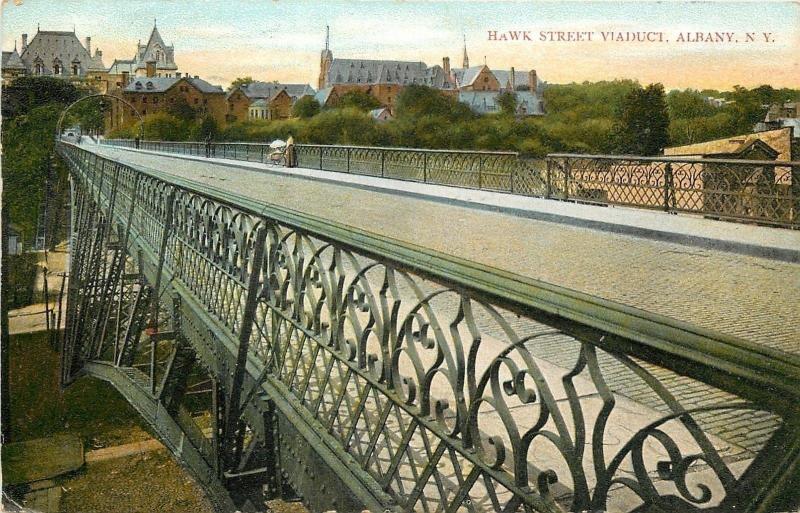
column 281, row 40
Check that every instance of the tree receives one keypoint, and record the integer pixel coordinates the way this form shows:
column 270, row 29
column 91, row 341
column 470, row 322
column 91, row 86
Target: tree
column 305, row 107
column 357, row 100
column 182, row 110
column 240, row 82
column 26, row 93
column 508, row 103
column 206, row 129
column 416, row 101
column 643, row 126
column 688, row 104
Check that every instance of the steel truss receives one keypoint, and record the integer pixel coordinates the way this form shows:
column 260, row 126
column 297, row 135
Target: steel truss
column 356, row 372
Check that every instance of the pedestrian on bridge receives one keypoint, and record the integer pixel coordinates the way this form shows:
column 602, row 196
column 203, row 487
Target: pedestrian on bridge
column 291, row 157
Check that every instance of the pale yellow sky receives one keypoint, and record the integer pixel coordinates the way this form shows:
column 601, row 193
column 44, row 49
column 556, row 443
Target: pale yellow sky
column 281, row 39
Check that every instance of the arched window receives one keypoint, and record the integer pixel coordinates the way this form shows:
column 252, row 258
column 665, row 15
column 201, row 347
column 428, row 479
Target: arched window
column 75, row 68
column 38, row 66
column 57, row 67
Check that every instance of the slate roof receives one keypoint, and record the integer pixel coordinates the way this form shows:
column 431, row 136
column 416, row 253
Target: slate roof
column 259, row 103
column 120, row 65
column 267, row 90
column 11, row 60
column 162, row 84
column 368, row 71
column 466, row 76
column 322, row 95
column 155, row 46
column 50, row 46
column 485, row 102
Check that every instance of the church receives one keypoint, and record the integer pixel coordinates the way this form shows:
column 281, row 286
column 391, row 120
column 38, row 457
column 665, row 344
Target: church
column 476, row 86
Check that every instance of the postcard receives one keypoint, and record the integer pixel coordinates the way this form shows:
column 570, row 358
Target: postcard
column 390, row 255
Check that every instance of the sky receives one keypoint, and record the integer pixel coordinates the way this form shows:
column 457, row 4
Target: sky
column 281, row 39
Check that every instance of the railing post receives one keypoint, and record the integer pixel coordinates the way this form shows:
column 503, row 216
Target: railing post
column 348, row 160
column 548, row 191
column 320, row 158
column 480, row 172
column 566, row 178
column 162, row 253
column 232, row 405
column 668, row 185
column 425, row 167
column 513, row 174
column 383, row 162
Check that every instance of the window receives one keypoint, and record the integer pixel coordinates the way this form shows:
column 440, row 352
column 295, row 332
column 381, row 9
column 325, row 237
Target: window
column 75, row 69
column 485, row 79
column 56, row 69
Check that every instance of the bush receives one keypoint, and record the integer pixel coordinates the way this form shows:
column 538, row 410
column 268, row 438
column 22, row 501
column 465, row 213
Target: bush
column 305, row 107
column 22, row 271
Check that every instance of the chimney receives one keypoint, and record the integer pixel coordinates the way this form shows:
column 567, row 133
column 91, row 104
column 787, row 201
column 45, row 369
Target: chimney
column 89, row 45
column 98, row 53
column 24, row 41
column 197, row 76
column 177, row 74
column 151, row 68
column 512, row 79
column 532, row 81
column 446, row 66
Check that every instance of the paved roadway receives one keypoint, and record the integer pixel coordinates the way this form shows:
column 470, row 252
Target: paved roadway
column 750, row 297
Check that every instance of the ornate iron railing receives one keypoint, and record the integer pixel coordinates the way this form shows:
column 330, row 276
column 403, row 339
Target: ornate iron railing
column 453, row 386
column 766, row 192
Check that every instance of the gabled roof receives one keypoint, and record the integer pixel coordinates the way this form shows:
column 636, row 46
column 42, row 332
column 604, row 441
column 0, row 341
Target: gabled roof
column 267, row 90
column 11, row 60
column 162, row 84
column 484, row 102
column 155, row 50
column 323, row 95
column 121, row 65
column 50, row 46
column 466, row 76
column 369, row 71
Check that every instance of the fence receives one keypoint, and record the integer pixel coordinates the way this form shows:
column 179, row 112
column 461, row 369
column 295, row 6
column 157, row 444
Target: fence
column 428, row 375
column 765, row 192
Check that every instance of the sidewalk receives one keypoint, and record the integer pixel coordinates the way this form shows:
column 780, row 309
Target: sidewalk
column 686, row 229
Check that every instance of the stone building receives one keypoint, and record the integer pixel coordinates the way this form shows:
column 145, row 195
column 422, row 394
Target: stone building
column 385, row 79
column 153, row 59
column 57, row 54
column 277, row 99
column 150, row 95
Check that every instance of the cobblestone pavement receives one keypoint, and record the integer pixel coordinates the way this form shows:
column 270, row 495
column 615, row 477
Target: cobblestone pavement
column 749, row 297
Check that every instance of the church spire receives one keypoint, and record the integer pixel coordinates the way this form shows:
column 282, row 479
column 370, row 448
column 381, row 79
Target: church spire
column 465, row 63
column 327, row 37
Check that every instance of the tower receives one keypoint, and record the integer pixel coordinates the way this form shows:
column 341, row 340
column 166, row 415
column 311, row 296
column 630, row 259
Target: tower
column 465, row 63
column 326, row 58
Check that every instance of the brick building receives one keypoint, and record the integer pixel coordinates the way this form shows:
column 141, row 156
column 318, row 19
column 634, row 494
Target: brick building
column 275, row 100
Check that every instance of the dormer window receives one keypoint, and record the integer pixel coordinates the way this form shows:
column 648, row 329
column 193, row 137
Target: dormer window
column 138, row 85
column 149, row 85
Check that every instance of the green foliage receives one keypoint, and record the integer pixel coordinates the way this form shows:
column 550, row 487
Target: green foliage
column 89, row 408
column 182, row 110
column 240, row 82
column 305, row 107
column 26, row 93
column 643, row 126
column 206, row 129
column 357, row 100
column 22, row 271
column 166, row 127
column 417, row 101
column 508, row 103
column 27, row 146
column 688, row 104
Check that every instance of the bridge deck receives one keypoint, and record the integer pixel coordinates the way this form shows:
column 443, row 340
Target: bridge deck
column 746, row 296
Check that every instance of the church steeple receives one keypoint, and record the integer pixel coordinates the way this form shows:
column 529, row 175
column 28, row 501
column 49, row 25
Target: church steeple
column 325, row 61
column 465, row 63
